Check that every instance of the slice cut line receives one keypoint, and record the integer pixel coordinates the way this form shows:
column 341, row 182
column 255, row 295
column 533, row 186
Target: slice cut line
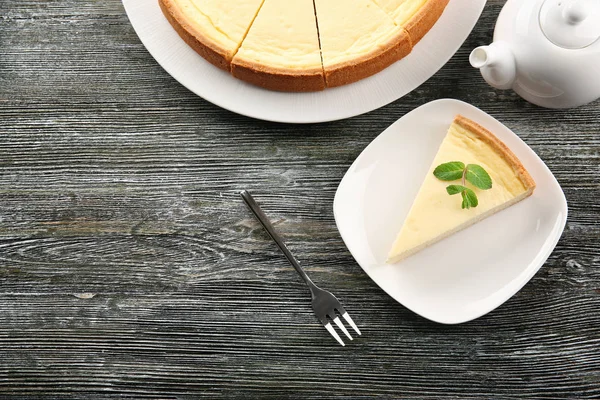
column 416, row 16
column 213, row 28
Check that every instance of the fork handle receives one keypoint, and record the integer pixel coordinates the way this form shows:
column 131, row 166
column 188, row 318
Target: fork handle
column 264, row 221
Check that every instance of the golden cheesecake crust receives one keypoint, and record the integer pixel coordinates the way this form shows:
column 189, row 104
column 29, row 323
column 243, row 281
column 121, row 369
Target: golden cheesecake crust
column 500, row 148
column 420, row 23
column 371, row 63
column 280, row 79
column 203, row 45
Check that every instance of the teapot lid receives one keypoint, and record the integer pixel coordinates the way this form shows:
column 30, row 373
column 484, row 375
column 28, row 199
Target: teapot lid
column 572, row 24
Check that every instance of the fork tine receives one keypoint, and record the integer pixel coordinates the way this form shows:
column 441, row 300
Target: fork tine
column 349, row 320
column 334, row 333
column 342, row 327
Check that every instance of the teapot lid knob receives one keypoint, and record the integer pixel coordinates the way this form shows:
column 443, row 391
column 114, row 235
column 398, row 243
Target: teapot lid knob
column 572, row 24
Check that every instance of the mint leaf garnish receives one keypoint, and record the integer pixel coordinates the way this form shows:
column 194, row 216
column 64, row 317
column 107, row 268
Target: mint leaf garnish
column 455, row 189
column 449, row 171
column 478, row 177
column 472, row 173
column 469, row 199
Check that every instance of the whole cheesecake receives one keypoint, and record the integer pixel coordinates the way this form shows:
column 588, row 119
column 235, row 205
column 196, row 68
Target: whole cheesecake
column 302, row 45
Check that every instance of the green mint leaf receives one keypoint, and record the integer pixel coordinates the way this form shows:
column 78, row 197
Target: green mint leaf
column 469, row 199
column 455, row 189
column 450, row 171
column 478, row 177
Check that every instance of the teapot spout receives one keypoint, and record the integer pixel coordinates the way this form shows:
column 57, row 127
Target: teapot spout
column 496, row 63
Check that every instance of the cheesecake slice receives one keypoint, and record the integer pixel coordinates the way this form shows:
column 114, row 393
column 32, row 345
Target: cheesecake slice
column 416, row 16
column 358, row 39
column 281, row 50
column 213, row 28
column 436, row 215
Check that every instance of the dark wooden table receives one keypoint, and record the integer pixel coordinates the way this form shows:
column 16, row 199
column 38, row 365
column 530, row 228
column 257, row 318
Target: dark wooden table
column 129, row 267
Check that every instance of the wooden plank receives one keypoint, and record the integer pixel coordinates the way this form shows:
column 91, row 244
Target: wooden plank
column 130, row 268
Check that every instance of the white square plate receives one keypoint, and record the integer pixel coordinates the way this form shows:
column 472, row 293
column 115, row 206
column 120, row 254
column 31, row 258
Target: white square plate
column 474, row 271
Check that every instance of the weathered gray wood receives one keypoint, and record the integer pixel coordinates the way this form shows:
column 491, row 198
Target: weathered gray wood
column 130, row 268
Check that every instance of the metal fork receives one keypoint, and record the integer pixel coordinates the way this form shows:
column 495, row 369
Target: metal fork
column 324, row 303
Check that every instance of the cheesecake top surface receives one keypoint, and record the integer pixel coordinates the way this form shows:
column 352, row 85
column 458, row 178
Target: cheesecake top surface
column 350, row 29
column 224, row 23
column 401, row 11
column 283, row 35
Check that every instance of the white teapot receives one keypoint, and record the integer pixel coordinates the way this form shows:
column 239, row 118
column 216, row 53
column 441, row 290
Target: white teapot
column 548, row 51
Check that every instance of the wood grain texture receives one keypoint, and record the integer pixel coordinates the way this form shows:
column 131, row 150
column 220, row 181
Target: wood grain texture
column 129, row 267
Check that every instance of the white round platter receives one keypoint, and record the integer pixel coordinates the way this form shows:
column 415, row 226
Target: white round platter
column 220, row 88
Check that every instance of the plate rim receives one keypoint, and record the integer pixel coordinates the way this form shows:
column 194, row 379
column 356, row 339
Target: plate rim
column 542, row 256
